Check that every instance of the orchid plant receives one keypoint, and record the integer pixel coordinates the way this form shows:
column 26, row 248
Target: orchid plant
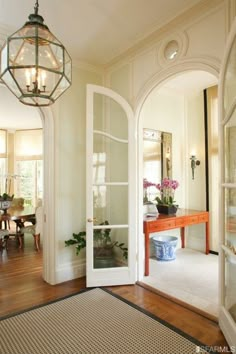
column 146, row 185
column 167, row 189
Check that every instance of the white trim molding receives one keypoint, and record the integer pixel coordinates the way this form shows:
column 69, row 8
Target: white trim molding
column 210, row 65
column 49, row 256
column 182, row 41
column 72, row 270
column 98, row 69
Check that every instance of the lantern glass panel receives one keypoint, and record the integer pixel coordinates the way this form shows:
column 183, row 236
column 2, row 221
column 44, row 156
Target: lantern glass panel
column 4, row 58
column 25, row 31
column 36, row 101
column 21, row 52
column 68, row 68
column 50, row 56
column 11, row 84
column 43, row 77
column 63, row 85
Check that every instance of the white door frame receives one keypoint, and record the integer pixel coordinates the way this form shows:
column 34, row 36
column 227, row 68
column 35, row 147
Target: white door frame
column 226, row 322
column 116, row 275
column 49, row 256
column 49, row 241
column 205, row 64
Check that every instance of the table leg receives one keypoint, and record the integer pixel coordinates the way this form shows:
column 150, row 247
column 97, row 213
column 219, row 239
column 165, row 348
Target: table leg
column 207, row 238
column 182, row 233
column 20, row 239
column 147, row 253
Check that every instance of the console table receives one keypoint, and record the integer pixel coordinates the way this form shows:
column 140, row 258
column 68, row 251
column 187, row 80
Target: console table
column 161, row 222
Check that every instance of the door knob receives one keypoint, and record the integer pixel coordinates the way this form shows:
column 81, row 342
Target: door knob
column 92, row 220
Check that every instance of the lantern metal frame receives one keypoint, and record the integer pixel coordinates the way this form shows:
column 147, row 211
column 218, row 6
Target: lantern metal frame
column 59, row 69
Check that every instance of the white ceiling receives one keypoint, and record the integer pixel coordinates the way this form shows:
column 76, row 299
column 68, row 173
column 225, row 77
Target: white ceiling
column 96, row 31
column 189, row 82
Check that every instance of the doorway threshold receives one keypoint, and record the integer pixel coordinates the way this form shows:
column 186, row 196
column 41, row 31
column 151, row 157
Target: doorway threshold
column 179, row 302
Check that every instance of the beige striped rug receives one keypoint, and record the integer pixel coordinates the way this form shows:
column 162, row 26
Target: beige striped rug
column 93, row 321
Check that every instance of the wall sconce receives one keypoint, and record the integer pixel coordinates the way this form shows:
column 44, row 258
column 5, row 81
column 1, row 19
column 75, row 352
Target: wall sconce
column 194, row 164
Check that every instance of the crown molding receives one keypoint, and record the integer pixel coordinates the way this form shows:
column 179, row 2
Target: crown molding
column 180, row 23
column 79, row 64
column 231, row 13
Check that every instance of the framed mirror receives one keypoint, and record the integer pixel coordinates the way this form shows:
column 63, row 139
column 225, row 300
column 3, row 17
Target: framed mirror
column 157, row 158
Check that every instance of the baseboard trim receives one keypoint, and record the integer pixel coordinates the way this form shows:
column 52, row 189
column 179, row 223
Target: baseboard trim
column 214, row 252
column 70, row 271
column 179, row 302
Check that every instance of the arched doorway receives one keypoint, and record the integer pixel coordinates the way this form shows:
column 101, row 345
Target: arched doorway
column 163, row 90
column 29, row 117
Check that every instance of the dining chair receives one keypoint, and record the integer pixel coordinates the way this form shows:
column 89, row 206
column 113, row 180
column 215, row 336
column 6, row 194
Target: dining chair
column 17, row 203
column 4, row 235
column 4, row 220
column 35, row 230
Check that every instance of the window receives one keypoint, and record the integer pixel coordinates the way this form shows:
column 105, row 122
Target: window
column 3, row 160
column 29, row 165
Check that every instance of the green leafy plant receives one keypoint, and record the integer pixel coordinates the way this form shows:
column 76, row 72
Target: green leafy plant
column 78, row 240
column 6, row 196
column 103, row 243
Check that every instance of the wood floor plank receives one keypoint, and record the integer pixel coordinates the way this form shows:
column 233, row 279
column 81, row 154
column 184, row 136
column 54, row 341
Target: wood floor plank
column 22, row 287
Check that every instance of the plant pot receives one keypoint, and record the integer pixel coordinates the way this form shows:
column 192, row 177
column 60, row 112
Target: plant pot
column 103, row 262
column 5, row 204
column 103, row 257
column 167, row 209
column 165, row 247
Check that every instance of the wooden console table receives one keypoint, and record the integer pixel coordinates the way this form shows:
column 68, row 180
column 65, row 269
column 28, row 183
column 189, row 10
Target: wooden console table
column 161, row 222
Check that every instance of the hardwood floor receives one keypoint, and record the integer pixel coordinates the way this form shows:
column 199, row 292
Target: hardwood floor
column 22, row 286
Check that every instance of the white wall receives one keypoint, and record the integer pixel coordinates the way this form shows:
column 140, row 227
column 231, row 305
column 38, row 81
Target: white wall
column 195, row 188
column 183, row 116
column 146, row 68
column 164, row 111
column 70, row 179
column 134, row 76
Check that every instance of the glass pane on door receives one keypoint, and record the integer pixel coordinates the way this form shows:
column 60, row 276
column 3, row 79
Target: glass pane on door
column 110, row 203
column 230, row 219
column 110, row 159
column 110, row 247
column 229, row 81
column 230, row 251
column 230, row 149
column 109, row 117
column 230, row 285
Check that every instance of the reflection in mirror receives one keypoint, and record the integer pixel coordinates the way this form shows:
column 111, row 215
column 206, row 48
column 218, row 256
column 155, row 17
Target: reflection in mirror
column 157, row 159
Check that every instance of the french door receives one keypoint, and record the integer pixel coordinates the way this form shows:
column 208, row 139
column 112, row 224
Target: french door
column 227, row 103
column 111, row 182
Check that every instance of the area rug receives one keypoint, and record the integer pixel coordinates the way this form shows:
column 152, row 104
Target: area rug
column 93, row 321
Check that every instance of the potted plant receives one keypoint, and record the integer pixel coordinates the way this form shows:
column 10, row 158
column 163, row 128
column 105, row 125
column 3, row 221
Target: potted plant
column 166, row 203
column 103, row 246
column 5, row 201
column 146, row 185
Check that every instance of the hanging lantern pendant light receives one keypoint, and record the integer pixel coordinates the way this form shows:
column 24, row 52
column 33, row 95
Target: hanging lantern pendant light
column 35, row 66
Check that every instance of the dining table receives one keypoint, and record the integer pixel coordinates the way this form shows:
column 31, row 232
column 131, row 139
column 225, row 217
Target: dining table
column 19, row 215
